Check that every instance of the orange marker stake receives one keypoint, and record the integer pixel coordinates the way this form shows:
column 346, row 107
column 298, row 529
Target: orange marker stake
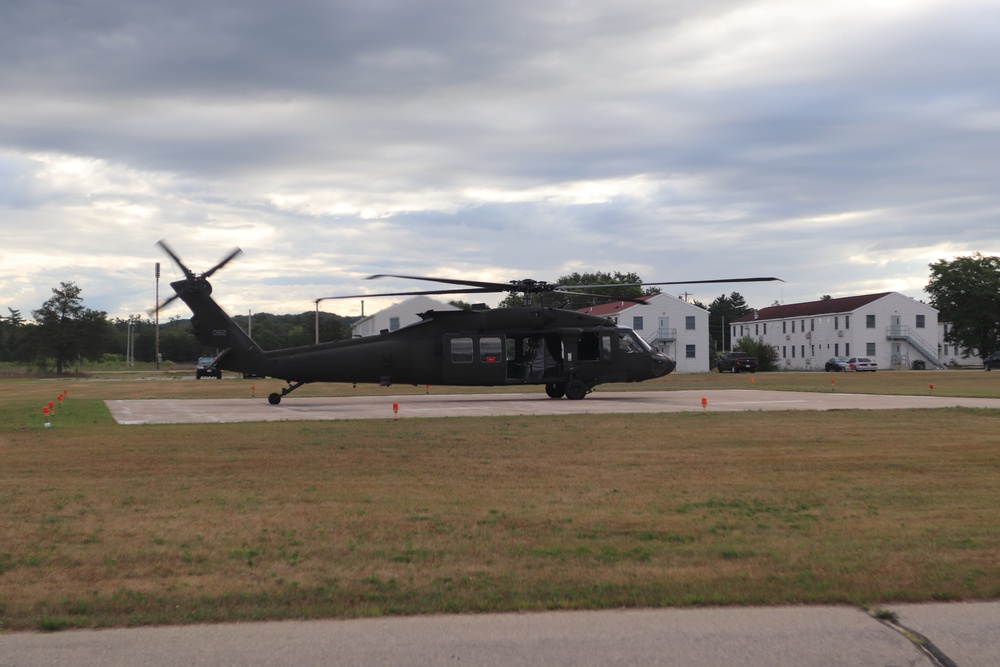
column 833, row 385
column 704, row 404
column 45, row 413
column 395, row 410
column 932, row 387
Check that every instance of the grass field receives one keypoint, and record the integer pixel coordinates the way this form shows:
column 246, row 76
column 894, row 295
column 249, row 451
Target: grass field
column 105, row 525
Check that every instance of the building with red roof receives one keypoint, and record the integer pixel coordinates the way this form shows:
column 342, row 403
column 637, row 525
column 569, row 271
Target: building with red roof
column 671, row 325
column 891, row 328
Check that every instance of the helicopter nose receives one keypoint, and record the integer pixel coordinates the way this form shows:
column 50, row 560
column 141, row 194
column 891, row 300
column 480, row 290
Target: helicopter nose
column 662, row 364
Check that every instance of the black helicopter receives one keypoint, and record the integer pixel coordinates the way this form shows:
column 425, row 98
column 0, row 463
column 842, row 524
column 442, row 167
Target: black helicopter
column 567, row 351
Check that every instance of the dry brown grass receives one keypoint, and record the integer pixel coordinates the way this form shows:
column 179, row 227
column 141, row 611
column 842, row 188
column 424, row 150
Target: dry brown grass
column 110, row 525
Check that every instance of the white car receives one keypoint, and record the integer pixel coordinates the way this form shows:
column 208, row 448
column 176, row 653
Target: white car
column 861, row 364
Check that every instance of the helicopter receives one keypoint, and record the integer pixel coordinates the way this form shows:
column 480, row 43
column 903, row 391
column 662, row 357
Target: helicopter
column 569, row 352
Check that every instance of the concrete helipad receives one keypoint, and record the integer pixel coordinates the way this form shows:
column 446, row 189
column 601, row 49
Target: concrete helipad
column 292, row 408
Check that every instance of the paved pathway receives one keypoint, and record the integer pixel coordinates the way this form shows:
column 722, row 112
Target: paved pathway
column 292, row 408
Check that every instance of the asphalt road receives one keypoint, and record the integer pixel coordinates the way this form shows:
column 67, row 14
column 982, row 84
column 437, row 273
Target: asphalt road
column 967, row 635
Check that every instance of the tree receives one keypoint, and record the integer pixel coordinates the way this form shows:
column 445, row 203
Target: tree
column 966, row 293
column 721, row 312
column 628, row 290
column 67, row 330
column 14, row 335
column 767, row 355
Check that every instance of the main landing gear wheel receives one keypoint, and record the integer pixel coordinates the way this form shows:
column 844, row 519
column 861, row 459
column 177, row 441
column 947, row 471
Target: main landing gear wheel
column 575, row 390
column 274, row 398
column 555, row 389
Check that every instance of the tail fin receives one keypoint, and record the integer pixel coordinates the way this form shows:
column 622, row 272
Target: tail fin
column 214, row 328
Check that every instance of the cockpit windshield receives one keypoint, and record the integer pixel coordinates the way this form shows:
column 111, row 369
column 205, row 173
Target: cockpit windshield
column 629, row 342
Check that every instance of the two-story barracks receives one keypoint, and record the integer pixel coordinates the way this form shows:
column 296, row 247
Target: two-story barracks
column 889, row 327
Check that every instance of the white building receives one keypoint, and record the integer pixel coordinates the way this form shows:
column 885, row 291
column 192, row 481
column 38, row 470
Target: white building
column 397, row 316
column 671, row 325
column 889, row 327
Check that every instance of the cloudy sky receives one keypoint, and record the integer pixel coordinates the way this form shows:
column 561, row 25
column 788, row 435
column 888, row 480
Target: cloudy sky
column 841, row 146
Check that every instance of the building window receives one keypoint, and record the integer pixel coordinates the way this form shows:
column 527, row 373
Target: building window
column 461, row 350
column 847, row 321
column 920, row 321
column 689, row 323
column 393, row 324
column 756, row 330
column 793, row 326
column 490, row 350
column 765, row 328
column 784, row 327
column 637, row 323
column 870, row 349
column 847, row 349
column 836, row 322
column 784, row 351
column 869, row 321
column 793, row 347
column 689, row 351
column 812, row 324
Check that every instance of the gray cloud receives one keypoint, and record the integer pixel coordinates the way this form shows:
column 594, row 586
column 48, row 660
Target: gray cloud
column 842, row 147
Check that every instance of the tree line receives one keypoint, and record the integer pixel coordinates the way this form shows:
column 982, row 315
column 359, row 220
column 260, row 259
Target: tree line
column 64, row 332
column 965, row 291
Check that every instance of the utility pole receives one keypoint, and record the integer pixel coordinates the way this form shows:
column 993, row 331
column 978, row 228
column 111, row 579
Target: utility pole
column 156, row 347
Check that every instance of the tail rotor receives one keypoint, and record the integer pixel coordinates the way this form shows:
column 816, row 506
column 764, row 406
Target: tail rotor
column 192, row 281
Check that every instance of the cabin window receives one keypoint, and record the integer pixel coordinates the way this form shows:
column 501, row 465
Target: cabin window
column 461, row 350
column 606, row 346
column 490, row 350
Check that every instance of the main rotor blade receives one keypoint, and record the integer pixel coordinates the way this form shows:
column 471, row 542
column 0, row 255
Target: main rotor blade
column 421, row 293
column 499, row 287
column 230, row 257
column 560, row 288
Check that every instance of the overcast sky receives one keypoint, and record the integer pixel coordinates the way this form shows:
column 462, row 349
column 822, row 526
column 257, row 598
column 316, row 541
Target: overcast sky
column 842, row 146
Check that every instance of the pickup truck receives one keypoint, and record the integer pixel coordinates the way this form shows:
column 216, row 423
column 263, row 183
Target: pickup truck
column 736, row 362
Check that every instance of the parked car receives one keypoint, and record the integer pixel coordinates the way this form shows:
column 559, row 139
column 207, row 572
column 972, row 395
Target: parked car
column 836, row 364
column 205, row 367
column 992, row 361
column 861, row 364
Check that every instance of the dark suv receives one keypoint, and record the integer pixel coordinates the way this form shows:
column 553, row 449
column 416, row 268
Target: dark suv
column 205, row 367
column 992, row 361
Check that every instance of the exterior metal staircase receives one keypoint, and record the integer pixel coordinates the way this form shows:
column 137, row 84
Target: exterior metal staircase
column 906, row 334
